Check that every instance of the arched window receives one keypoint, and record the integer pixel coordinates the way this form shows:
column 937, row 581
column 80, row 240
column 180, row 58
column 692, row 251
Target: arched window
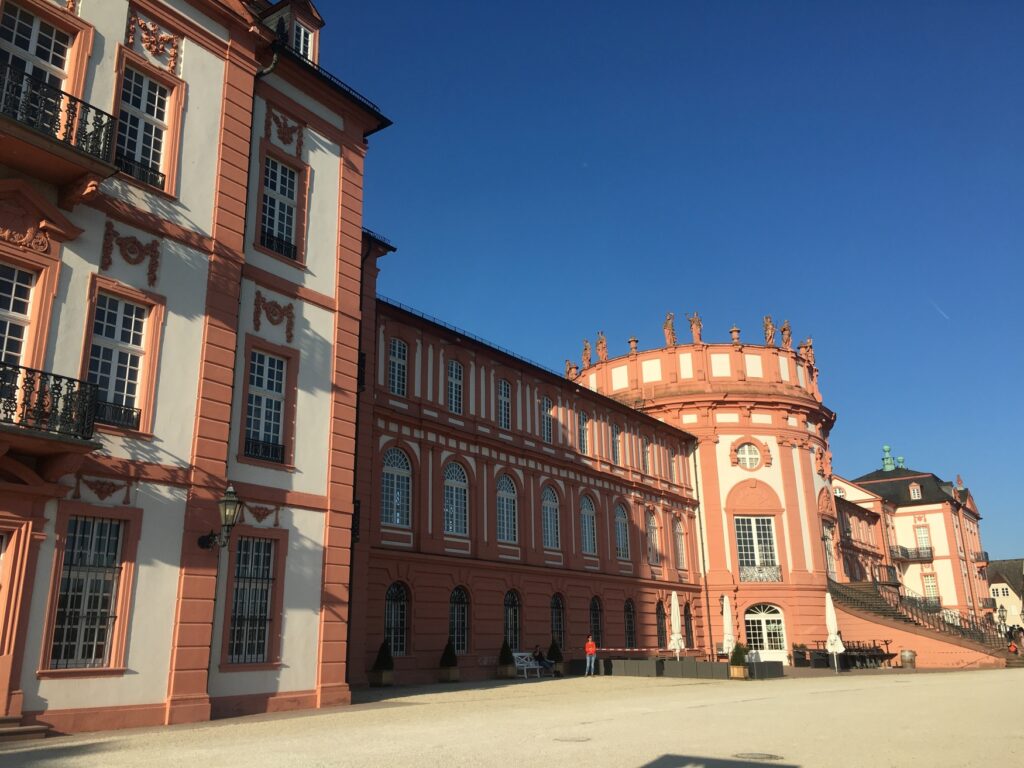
column 398, row 354
column 688, row 625
column 396, row 618
column 581, row 431
column 455, row 386
column 629, row 620
column 504, row 404
column 680, row 542
column 396, row 489
column 558, row 620
column 456, row 500
column 512, row 619
column 508, row 526
column 645, row 457
column 659, row 620
column 764, row 628
column 653, row 550
column 596, row 620
column 588, row 526
column 549, row 519
column 621, row 533
column 545, row 420
column 616, row 441
column 458, row 620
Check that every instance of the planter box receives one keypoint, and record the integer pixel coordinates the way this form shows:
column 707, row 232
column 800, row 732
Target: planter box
column 506, row 671
column 765, row 670
column 448, row 674
column 738, row 673
column 381, row 677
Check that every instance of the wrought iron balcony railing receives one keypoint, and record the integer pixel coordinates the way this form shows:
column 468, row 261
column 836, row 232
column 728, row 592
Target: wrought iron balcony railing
column 887, row 574
column 923, row 554
column 278, row 244
column 760, row 573
column 117, row 415
column 988, row 602
column 257, row 449
column 981, row 557
column 46, row 402
column 60, row 116
column 141, row 171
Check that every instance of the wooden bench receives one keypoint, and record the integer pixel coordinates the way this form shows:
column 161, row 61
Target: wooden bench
column 525, row 664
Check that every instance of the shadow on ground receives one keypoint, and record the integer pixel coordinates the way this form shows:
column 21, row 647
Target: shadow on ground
column 46, row 753
column 692, row 761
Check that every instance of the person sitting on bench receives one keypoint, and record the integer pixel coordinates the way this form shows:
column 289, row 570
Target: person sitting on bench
column 538, row 656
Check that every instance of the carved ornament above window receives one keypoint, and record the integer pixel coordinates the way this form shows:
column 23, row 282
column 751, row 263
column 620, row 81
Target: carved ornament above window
column 275, row 312
column 132, row 250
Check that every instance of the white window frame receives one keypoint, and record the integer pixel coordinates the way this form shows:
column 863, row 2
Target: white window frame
column 279, row 212
column 269, row 422
column 748, row 456
column 398, row 367
column 302, row 40
column 140, row 116
column 22, row 289
column 754, row 548
column 653, row 545
column 765, row 629
column 621, row 533
column 41, row 68
column 119, row 383
column 915, row 492
column 396, row 489
column 588, row 526
column 507, row 529
column 546, row 427
column 582, row 422
column 616, row 444
column 456, row 500
column 455, row 378
column 504, row 404
column 550, row 527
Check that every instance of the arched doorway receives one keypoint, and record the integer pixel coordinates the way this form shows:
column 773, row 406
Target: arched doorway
column 766, row 632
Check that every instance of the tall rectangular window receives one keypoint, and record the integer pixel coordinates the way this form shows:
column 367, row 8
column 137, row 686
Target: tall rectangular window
column 142, row 127
column 264, row 422
column 582, row 422
column 302, row 41
column 755, row 546
column 15, row 301
column 115, row 359
column 397, row 366
column 616, row 440
column 545, row 420
column 279, row 205
column 454, row 387
column 31, row 46
column 931, row 586
column 924, row 539
column 504, row 404
column 645, row 457
column 251, row 601
column 86, row 600
column 671, row 465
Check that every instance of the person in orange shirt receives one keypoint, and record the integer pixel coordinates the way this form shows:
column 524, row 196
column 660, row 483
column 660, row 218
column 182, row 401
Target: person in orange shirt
column 590, row 648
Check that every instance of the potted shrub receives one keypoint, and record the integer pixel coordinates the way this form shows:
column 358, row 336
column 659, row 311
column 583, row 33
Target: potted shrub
column 382, row 672
column 506, row 662
column 555, row 656
column 738, row 662
column 449, row 672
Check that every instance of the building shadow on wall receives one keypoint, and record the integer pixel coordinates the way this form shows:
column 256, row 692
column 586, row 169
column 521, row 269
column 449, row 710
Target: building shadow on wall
column 693, row 761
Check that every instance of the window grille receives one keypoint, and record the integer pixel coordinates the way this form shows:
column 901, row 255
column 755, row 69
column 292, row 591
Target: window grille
column 545, row 420
column 653, row 548
column 596, row 621
column 115, row 358
column 396, row 618
column 508, row 525
column 588, row 526
column 249, row 632
column 15, row 301
column 621, row 533
column 142, row 127
column 504, row 405
column 455, row 387
column 398, row 354
column 659, row 619
column 456, row 500
column 629, row 619
column 581, row 431
column 512, row 619
column 558, row 620
column 89, row 580
column 396, row 489
column 264, row 425
column 458, row 620
column 549, row 519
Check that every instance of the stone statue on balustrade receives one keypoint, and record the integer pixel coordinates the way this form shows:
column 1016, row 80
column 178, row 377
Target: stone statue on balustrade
column 769, row 331
column 787, row 336
column 695, row 327
column 602, row 347
column 670, row 329
column 586, row 354
column 808, row 347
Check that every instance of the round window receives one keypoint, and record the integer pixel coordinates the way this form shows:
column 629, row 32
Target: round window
column 748, row 456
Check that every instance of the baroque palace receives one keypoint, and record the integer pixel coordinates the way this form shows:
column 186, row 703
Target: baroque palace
column 189, row 328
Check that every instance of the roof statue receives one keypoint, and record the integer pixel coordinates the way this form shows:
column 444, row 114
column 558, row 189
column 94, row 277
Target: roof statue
column 670, row 329
column 568, row 368
column 769, row 331
column 586, row 354
column 787, row 336
column 695, row 327
column 602, row 347
column 808, row 347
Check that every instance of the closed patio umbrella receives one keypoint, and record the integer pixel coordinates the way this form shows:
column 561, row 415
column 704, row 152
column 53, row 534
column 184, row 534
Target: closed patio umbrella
column 675, row 642
column 834, row 644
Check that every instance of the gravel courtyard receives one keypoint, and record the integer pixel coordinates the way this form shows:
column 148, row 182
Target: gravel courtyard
column 883, row 719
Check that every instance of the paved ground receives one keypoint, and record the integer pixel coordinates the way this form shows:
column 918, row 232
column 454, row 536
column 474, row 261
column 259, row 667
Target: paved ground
column 881, row 719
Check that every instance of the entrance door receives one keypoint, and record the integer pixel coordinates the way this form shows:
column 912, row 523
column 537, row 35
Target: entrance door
column 766, row 634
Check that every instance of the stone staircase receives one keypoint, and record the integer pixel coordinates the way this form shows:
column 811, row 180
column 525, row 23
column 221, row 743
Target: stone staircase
column 11, row 729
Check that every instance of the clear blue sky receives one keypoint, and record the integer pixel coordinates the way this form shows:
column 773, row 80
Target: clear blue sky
column 558, row 168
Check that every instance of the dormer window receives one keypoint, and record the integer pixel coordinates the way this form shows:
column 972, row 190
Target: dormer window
column 302, row 41
column 915, row 491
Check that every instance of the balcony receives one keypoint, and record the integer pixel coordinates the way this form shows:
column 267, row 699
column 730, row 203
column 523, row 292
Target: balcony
column 919, row 555
column 989, row 603
column 50, row 134
column 887, row 574
column 257, row 449
column 46, row 405
column 981, row 558
column 760, row 573
column 278, row 245
column 117, row 415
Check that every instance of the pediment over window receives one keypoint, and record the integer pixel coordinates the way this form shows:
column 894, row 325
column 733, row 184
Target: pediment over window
column 30, row 221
